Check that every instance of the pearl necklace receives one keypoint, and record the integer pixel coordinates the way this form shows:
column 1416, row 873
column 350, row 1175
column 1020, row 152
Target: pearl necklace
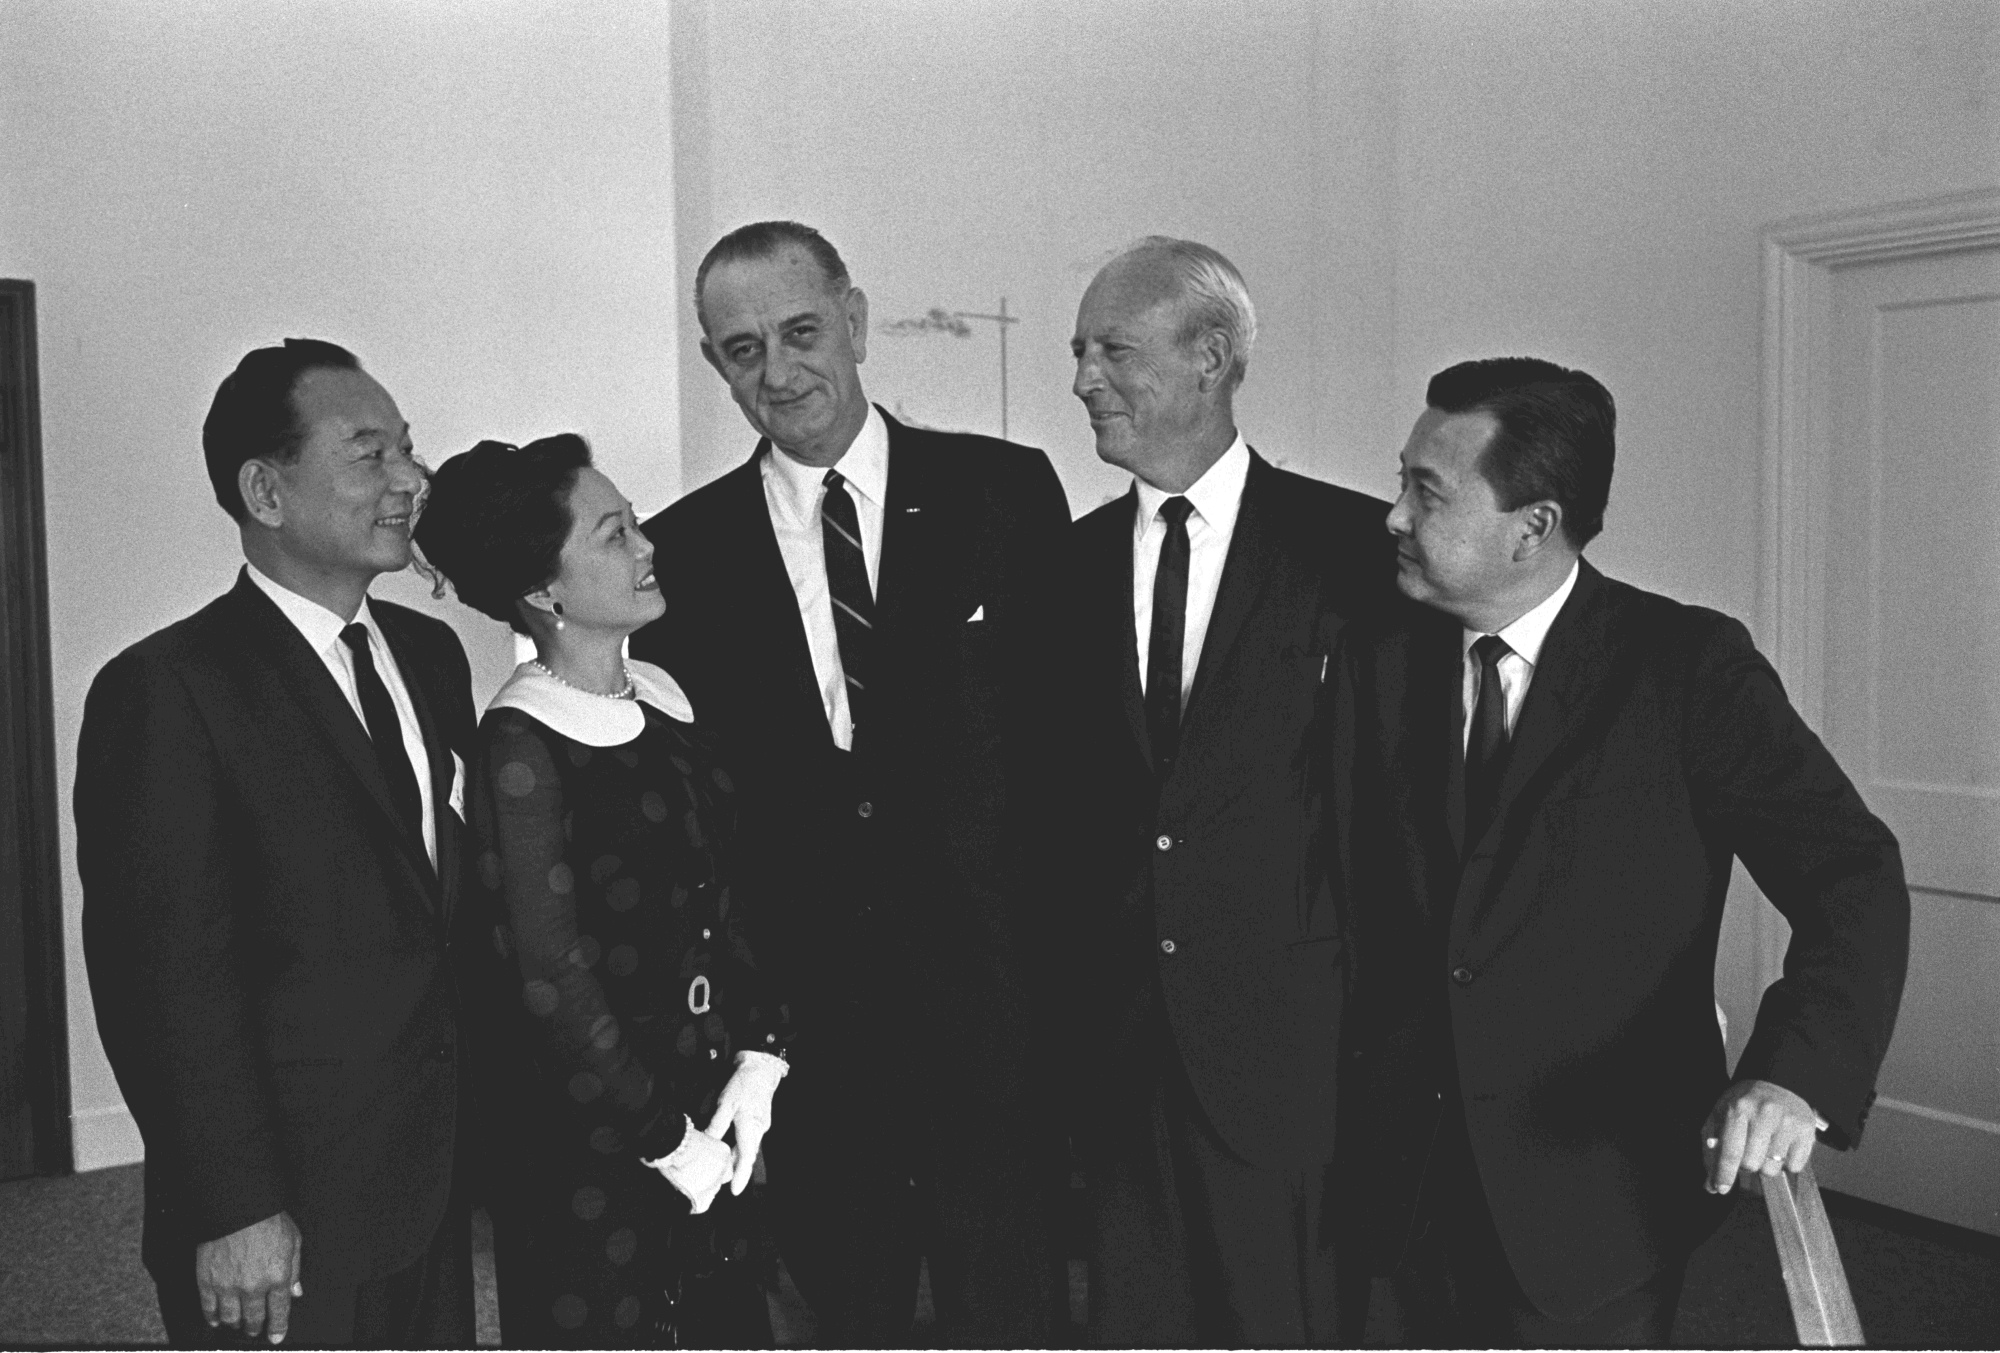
column 629, row 692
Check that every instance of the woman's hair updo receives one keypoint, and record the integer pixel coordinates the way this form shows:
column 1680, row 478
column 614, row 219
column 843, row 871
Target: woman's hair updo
column 496, row 518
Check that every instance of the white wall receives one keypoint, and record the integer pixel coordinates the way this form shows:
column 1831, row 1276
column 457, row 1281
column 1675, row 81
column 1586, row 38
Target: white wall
column 1403, row 184
column 959, row 153
column 1586, row 181
column 477, row 199
column 495, row 206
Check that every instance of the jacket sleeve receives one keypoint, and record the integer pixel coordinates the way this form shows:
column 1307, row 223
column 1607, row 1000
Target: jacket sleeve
column 164, row 941
column 520, row 817
column 1772, row 793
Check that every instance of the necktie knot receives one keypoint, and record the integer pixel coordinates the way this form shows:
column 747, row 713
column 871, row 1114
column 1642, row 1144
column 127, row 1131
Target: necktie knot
column 833, row 479
column 355, row 636
column 1489, row 649
column 1175, row 510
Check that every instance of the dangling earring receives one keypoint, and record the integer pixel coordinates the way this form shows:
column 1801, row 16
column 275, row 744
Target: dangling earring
column 557, row 607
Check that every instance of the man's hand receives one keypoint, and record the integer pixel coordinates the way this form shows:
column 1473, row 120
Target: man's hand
column 248, row 1278
column 745, row 1104
column 1757, row 1127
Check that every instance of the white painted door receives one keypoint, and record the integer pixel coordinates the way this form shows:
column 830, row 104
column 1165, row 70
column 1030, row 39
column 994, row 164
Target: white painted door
column 1911, row 633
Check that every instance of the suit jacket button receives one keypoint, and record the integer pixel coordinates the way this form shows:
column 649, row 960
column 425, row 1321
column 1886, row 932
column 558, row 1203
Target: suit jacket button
column 1461, row 975
column 865, row 808
column 1166, row 946
column 1163, row 841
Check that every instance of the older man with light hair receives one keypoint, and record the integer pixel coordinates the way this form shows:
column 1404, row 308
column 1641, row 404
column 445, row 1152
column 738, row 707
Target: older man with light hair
column 1210, row 973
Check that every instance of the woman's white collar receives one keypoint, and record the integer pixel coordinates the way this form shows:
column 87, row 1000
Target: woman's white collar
column 593, row 720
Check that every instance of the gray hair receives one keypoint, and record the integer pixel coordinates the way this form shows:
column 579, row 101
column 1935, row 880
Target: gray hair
column 1212, row 293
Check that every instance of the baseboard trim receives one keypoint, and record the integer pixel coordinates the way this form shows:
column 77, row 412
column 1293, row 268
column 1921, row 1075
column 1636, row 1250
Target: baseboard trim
column 1889, row 1218
column 1939, row 1115
column 106, row 1137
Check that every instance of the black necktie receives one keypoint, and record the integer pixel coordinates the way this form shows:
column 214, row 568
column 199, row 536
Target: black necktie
column 385, row 730
column 1486, row 747
column 1163, row 651
column 847, row 583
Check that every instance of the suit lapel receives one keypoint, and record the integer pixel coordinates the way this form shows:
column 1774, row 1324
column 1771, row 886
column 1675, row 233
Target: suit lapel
column 1574, row 663
column 305, row 676
column 923, row 537
column 1246, row 570
column 1580, row 676
column 437, row 748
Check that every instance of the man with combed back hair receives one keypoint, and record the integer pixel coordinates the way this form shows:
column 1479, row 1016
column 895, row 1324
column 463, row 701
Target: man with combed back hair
column 268, row 832
column 865, row 612
column 1208, row 956
column 1542, row 779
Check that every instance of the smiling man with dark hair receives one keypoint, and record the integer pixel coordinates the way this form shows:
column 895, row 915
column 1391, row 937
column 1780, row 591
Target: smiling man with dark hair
column 267, row 818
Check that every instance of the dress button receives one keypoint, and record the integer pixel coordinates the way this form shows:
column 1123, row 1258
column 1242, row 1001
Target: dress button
column 1167, row 946
column 1163, row 841
column 865, row 808
column 1461, row 975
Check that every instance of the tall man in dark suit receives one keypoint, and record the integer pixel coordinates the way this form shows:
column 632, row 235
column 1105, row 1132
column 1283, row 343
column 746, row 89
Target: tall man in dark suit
column 268, row 834
column 864, row 612
column 1208, row 973
column 1544, row 783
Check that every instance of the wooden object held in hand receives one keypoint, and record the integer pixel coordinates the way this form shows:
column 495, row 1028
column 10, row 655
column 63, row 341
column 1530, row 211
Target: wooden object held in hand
column 1822, row 1307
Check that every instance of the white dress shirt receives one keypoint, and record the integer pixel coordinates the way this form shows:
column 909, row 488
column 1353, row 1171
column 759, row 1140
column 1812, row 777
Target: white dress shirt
column 1525, row 637
column 321, row 629
column 793, row 492
column 1217, row 498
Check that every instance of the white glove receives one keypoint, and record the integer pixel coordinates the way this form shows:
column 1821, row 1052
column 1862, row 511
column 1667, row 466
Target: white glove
column 746, row 1105
column 698, row 1167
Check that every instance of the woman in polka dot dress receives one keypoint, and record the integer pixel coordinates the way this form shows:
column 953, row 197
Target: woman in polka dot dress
column 631, row 1051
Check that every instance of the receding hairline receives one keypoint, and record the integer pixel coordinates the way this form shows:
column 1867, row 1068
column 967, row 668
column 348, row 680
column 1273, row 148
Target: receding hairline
column 835, row 287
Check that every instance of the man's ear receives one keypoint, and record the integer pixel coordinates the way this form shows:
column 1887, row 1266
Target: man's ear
column 257, row 481
column 857, row 323
column 713, row 358
column 1216, row 354
column 1540, row 526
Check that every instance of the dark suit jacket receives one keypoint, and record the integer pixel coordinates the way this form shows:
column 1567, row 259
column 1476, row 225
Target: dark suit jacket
column 1561, row 980
column 892, row 885
column 266, row 944
column 1223, row 860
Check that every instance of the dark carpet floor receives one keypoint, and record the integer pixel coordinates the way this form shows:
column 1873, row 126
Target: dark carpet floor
column 70, row 1275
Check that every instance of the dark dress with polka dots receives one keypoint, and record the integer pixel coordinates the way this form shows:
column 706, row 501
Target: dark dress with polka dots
column 615, row 988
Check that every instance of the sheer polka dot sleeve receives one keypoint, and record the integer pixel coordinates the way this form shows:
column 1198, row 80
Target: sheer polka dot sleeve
column 523, row 834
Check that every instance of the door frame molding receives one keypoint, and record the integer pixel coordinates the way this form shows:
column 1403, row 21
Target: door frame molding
column 1801, row 256
column 24, row 614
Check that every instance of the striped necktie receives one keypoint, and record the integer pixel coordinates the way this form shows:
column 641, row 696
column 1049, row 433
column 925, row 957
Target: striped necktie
column 853, row 603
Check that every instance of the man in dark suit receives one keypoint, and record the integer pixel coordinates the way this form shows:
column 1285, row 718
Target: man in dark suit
column 1208, row 957
column 267, row 830
column 1545, row 780
column 864, row 612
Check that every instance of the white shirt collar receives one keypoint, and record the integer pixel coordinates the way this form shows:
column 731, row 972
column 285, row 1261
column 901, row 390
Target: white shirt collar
column 593, row 720
column 864, row 465
column 1527, row 635
column 1217, row 496
column 320, row 626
